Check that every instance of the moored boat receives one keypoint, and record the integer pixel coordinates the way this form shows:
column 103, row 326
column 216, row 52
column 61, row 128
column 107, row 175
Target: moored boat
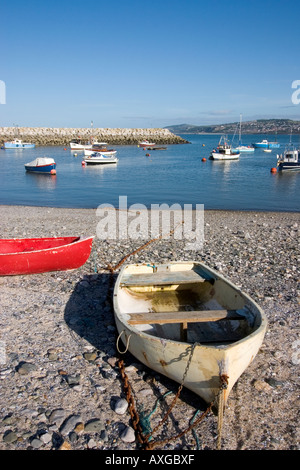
column 242, row 147
column 224, row 151
column 146, row 143
column 289, row 160
column 187, row 322
column 18, row 144
column 76, row 144
column 266, row 144
column 38, row 255
column 41, row 165
column 100, row 148
column 98, row 159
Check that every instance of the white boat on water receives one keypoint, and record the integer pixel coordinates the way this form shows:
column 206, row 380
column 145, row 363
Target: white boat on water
column 101, row 148
column 289, row 160
column 242, row 147
column 224, row 151
column 98, row 159
column 18, row 144
column 146, row 143
column 76, row 144
column 187, row 322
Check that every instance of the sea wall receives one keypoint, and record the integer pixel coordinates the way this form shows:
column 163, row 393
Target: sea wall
column 63, row 136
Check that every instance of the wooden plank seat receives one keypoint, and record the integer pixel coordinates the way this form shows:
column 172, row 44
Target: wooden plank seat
column 183, row 317
column 161, row 278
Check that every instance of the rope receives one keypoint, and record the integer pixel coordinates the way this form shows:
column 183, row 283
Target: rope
column 221, row 406
column 127, row 343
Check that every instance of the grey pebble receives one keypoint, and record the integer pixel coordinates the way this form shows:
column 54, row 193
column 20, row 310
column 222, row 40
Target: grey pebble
column 120, row 406
column 10, row 437
column 128, row 434
column 69, row 424
column 94, row 425
column 57, row 416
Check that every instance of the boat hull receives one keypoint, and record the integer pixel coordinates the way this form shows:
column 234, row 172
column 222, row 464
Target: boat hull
column 245, row 149
column 39, row 255
column 146, row 144
column 171, row 357
column 289, row 166
column 100, row 160
column 74, row 146
column 41, row 168
column 266, row 145
column 224, row 156
column 11, row 145
column 110, row 153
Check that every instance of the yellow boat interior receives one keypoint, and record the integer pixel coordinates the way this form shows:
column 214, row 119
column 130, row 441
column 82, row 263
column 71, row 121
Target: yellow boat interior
column 185, row 302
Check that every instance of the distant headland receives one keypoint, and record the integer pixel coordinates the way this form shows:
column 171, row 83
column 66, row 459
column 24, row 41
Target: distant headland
column 260, row 126
column 62, row 136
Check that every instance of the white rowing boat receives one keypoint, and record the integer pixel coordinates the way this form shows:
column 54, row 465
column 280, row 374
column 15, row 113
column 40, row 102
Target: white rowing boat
column 184, row 320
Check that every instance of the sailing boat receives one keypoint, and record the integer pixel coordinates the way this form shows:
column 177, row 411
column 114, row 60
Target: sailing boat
column 242, row 147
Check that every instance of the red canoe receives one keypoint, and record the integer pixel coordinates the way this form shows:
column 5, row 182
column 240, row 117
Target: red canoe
column 39, row 255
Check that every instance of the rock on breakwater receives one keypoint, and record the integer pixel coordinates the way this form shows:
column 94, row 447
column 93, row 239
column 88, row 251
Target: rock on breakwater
column 62, row 136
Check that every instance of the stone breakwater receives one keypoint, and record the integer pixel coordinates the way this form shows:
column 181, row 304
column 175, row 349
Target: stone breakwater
column 62, row 136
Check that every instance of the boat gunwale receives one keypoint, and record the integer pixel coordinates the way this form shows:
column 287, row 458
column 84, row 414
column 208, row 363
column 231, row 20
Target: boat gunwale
column 77, row 240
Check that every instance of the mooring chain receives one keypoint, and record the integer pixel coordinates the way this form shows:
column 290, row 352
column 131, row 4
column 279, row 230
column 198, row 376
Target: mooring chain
column 145, row 440
column 177, row 394
column 132, row 410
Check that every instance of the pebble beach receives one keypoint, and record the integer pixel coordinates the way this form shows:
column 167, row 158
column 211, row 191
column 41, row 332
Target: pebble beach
column 60, row 385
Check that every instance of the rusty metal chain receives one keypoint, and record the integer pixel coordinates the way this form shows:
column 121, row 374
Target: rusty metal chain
column 144, row 440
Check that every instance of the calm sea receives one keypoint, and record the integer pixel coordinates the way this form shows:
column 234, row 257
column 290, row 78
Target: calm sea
column 175, row 175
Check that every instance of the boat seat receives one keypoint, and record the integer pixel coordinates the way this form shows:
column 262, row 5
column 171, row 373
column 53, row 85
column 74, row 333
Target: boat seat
column 183, row 317
column 161, row 278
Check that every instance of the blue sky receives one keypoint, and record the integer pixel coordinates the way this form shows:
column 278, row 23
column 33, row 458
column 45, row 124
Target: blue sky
column 144, row 64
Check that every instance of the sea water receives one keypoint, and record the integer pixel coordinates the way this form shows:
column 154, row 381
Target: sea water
column 176, row 175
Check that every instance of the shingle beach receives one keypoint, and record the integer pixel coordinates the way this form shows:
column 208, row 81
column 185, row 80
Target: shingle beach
column 60, row 386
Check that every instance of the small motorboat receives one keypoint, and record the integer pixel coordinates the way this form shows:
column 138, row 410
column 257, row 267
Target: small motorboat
column 289, row 160
column 146, row 143
column 100, row 148
column 267, row 150
column 41, row 165
column 224, row 151
column 266, row 144
column 18, row 144
column 76, row 144
column 97, row 158
column 38, row 255
column 187, row 322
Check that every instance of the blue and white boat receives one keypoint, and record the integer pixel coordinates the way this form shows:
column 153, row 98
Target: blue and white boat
column 265, row 144
column 42, row 165
column 18, row 144
column 289, row 160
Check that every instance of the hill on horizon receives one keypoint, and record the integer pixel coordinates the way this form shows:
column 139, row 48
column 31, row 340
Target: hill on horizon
column 259, row 126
